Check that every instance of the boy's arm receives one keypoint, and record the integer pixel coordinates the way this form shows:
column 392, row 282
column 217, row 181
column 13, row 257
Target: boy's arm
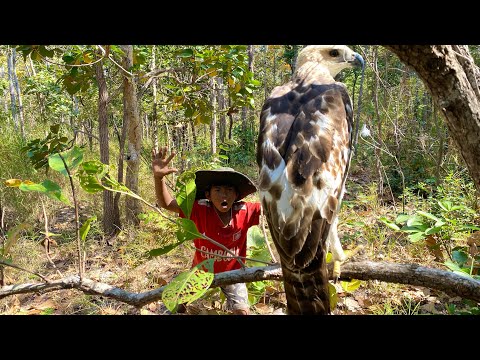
column 160, row 169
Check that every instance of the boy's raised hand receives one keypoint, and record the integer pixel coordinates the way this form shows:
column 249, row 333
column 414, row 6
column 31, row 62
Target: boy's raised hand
column 160, row 162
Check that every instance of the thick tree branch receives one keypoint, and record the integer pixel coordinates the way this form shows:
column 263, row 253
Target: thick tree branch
column 412, row 274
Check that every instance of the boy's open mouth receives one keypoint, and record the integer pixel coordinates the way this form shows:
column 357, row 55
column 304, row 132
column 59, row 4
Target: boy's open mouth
column 224, row 203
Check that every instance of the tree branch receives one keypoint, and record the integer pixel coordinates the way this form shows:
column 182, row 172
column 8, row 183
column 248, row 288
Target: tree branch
column 412, row 274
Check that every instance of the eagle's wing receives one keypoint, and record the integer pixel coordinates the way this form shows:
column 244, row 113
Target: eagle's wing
column 303, row 153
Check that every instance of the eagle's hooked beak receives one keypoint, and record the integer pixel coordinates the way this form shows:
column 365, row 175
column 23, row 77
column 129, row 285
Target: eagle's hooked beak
column 357, row 60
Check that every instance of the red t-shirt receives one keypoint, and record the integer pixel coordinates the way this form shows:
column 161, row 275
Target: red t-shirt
column 233, row 236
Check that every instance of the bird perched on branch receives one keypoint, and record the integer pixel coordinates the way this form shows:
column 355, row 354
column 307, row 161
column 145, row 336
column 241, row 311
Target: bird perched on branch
column 303, row 154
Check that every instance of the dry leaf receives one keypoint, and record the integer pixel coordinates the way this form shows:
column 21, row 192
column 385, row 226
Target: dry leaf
column 146, row 312
column 48, row 304
column 263, row 309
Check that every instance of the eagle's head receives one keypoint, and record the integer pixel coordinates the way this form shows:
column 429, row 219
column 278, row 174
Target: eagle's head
column 333, row 57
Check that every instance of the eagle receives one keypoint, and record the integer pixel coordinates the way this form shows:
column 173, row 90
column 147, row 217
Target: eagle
column 303, row 153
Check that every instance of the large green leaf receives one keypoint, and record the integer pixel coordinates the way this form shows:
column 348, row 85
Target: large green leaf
column 72, row 157
column 389, row 223
column 457, row 269
column 416, row 221
column 187, row 230
column 333, row 296
column 402, row 218
column 351, row 286
column 90, row 175
column 257, row 247
column 86, row 227
column 47, row 187
column 460, row 257
column 188, row 286
column 163, row 250
column 186, row 194
column 415, row 237
column 255, row 237
column 428, row 215
column 12, row 236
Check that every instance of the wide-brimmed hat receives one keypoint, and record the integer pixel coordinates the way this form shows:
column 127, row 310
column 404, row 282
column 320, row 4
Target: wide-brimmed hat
column 223, row 175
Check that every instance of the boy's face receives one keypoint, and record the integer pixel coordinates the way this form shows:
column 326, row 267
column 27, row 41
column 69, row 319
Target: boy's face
column 222, row 196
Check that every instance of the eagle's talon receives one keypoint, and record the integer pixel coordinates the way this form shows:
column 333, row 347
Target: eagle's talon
column 336, row 270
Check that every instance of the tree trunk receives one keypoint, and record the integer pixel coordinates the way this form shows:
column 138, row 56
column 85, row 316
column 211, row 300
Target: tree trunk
column 452, row 78
column 11, row 81
column 19, row 94
column 213, row 122
column 221, row 109
column 130, row 111
column 378, row 162
column 154, row 108
column 110, row 224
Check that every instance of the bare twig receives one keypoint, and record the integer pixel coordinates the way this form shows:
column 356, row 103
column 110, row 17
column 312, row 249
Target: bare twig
column 23, row 269
column 47, row 241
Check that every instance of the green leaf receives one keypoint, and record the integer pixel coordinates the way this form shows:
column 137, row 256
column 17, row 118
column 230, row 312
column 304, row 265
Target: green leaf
column 415, row 221
column 428, row 215
column 433, row 230
column 445, row 205
column 186, row 53
column 389, row 223
column 72, row 157
column 47, row 187
column 350, row 286
column 460, row 257
column 333, row 296
column 90, row 175
column 186, row 195
column 45, row 52
column 255, row 237
column 256, row 290
column 257, row 247
column 188, row 286
column 469, row 227
column 187, row 230
column 416, row 237
column 457, row 269
column 13, row 235
column 163, row 250
column 86, row 227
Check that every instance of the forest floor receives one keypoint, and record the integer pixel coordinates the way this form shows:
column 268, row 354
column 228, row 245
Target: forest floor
column 123, row 264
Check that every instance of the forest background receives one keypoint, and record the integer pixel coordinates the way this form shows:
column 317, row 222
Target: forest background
column 409, row 196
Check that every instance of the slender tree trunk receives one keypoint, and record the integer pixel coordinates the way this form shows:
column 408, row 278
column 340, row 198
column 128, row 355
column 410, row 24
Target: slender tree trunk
column 441, row 151
column 110, row 227
column 213, row 123
column 154, row 110
column 40, row 98
column 18, row 93
column 11, row 81
column 194, row 135
column 121, row 146
column 146, row 127
column 378, row 162
column 221, row 109
column 130, row 108
column 2, row 75
column 453, row 79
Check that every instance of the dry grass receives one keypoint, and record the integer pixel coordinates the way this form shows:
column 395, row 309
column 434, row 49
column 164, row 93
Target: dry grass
column 125, row 265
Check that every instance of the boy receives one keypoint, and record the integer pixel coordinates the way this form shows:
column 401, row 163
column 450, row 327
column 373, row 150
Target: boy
column 219, row 214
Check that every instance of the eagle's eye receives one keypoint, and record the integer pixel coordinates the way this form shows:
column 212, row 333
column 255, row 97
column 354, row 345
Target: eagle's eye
column 334, row 53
